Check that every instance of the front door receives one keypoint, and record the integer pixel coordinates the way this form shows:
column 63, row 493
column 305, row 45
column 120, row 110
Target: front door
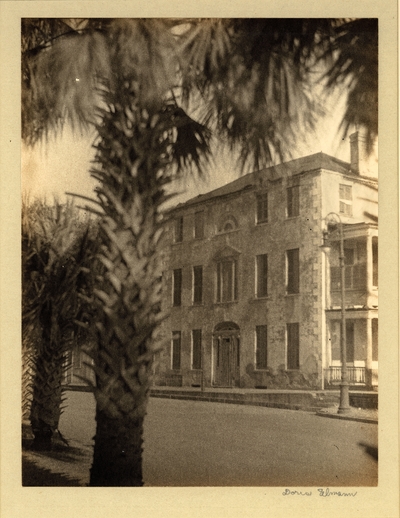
column 223, row 372
column 226, row 360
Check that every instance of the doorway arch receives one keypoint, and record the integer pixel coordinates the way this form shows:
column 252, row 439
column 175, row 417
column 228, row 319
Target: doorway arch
column 226, row 355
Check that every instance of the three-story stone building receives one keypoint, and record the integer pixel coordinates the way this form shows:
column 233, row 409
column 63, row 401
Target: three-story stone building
column 252, row 299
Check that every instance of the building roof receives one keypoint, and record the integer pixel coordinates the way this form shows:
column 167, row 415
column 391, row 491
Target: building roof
column 294, row 167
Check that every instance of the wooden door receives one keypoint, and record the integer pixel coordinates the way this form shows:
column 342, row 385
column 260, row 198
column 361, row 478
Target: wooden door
column 223, row 362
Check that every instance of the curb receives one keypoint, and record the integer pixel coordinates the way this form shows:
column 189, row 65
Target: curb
column 348, row 417
column 242, row 402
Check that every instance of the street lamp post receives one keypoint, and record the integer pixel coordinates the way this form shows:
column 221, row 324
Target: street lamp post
column 333, row 220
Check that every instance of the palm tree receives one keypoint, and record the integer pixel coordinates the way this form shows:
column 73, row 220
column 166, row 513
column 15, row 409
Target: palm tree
column 56, row 248
column 255, row 77
column 249, row 81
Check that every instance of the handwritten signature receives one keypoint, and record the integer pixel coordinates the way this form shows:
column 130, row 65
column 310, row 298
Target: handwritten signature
column 321, row 492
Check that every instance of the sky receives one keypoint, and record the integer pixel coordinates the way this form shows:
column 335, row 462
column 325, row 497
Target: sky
column 62, row 164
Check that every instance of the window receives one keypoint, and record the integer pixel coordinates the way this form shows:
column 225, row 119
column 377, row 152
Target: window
column 227, row 224
column 262, row 207
column 176, row 350
column 227, row 280
column 355, row 273
column 293, row 201
column 261, row 275
column 197, row 284
column 345, row 199
column 349, row 341
column 261, row 347
column 375, row 261
column 178, row 231
column 374, row 323
column 293, row 274
column 336, row 344
column 348, row 256
column 293, row 346
column 196, row 349
column 348, row 264
column 228, row 227
column 177, row 287
column 199, row 225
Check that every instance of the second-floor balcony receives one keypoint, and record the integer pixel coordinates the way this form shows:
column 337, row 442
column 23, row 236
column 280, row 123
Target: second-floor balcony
column 360, row 267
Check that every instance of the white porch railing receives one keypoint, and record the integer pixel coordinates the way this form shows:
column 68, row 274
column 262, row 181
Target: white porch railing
column 355, row 374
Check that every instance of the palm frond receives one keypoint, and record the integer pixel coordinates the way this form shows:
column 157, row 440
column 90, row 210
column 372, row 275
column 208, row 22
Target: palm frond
column 353, row 59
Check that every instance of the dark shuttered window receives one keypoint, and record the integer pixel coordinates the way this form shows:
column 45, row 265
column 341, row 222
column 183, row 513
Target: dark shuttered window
column 293, row 271
column 262, row 275
column 177, row 287
column 176, row 350
column 293, row 203
column 199, row 225
column 262, row 207
column 196, row 349
column 227, row 280
column 197, row 284
column 293, row 346
column 261, row 347
column 178, row 231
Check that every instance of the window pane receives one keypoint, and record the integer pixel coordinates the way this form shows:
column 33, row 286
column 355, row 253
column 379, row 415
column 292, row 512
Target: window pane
column 197, row 284
column 199, row 225
column 177, row 293
column 196, row 353
column 293, row 271
column 293, row 346
column 262, row 275
column 176, row 350
column 345, row 192
column 261, row 347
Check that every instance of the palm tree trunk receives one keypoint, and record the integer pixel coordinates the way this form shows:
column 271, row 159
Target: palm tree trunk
column 117, row 459
column 47, row 396
column 129, row 295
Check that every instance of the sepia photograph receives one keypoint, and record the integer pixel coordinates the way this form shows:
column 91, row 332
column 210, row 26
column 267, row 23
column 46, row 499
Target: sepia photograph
column 199, row 255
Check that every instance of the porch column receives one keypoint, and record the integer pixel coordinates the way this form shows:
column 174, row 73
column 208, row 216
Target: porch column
column 368, row 360
column 369, row 265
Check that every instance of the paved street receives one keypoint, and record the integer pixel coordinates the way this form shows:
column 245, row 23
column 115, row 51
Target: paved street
column 198, row 443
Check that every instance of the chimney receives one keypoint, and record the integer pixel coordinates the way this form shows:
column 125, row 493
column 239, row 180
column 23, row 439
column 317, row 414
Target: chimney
column 358, row 156
column 360, row 161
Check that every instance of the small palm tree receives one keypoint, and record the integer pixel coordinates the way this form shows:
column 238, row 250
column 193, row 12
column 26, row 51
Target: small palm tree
column 55, row 246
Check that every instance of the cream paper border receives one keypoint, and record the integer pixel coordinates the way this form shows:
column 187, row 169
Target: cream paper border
column 16, row 501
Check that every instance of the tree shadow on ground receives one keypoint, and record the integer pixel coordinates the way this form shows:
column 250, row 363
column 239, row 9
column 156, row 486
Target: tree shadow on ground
column 33, row 475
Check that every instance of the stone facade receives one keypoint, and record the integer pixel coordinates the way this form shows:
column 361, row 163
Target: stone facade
column 252, row 299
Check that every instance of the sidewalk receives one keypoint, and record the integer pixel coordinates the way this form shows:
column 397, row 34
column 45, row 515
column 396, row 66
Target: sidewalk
column 323, row 402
